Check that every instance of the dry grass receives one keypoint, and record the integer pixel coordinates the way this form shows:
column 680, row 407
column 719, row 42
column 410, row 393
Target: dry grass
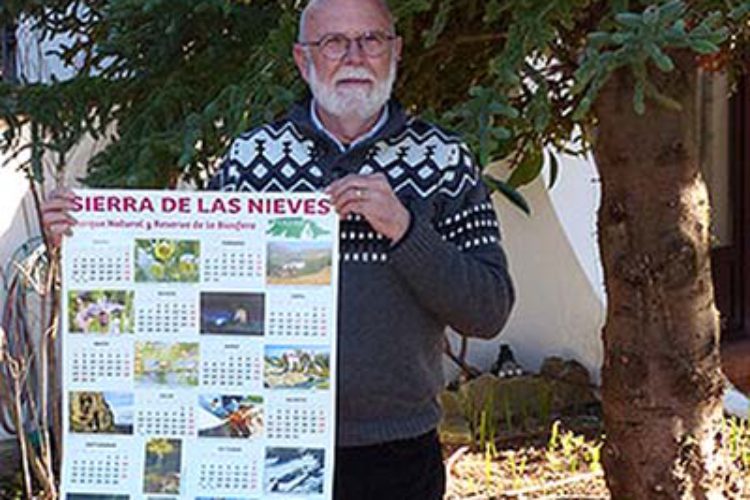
column 565, row 467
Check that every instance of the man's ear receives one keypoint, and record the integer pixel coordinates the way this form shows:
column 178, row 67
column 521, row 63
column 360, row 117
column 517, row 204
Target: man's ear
column 398, row 47
column 301, row 59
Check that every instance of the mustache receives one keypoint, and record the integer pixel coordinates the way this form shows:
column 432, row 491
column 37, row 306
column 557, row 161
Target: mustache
column 346, row 73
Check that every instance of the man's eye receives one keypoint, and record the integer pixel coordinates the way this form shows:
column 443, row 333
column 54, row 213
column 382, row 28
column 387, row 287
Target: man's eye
column 335, row 41
column 373, row 38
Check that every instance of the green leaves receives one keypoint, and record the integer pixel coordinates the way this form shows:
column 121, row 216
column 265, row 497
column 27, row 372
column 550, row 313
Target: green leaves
column 178, row 80
column 643, row 39
column 528, row 168
column 509, row 192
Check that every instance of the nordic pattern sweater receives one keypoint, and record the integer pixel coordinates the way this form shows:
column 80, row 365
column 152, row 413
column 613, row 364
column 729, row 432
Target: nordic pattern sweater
column 395, row 301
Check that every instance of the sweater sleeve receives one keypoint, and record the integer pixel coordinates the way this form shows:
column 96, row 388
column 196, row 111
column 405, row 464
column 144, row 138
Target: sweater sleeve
column 455, row 265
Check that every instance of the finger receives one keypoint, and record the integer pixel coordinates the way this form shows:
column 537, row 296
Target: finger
column 59, row 218
column 59, row 229
column 350, row 181
column 61, row 192
column 355, row 207
column 356, row 194
column 58, row 204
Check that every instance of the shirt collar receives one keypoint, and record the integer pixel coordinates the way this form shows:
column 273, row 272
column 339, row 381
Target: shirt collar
column 374, row 130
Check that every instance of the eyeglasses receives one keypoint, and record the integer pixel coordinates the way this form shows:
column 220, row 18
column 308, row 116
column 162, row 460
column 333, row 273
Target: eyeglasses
column 335, row 46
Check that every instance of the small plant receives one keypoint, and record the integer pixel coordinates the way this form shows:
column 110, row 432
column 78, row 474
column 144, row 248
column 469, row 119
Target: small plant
column 567, row 450
column 738, row 432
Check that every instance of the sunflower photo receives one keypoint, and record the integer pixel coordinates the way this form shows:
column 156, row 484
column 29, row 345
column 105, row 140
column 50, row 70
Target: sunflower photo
column 167, row 261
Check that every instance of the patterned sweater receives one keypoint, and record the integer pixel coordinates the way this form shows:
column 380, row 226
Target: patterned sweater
column 394, row 300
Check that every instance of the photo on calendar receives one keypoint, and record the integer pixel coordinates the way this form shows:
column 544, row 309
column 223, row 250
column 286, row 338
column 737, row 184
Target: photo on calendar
column 100, row 412
column 163, row 364
column 296, row 228
column 230, row 416
column 95, row 496
column 100, row 311
column 294, row 470
column 296, row 367
column 232, row 313
column 162, row 466
column 299, row 263
column 167, row 260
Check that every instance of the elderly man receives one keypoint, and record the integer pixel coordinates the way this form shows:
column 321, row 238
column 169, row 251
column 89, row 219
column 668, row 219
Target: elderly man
column 419, row 242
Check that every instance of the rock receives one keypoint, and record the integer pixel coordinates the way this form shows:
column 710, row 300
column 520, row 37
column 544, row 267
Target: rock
column 510, row 403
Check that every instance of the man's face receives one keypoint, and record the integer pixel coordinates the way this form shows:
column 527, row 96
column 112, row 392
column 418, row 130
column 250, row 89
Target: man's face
column 356, row 84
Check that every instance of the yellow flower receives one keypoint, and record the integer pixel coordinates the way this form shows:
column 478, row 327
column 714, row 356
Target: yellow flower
column 164, row 250
column 157, row 271
column 188, row 265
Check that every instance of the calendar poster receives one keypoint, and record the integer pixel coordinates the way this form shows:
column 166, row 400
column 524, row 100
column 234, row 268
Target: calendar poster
column 199, row 346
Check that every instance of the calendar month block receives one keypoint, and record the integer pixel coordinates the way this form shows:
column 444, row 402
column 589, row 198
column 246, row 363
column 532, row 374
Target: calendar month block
column 232, row 313
column 99, row 261
column 91, row 412
column 226, row 470
column 106, row 363
column 296, row 471
column 296, row 367
column 295, row 418
column 165, row 414
column 159, row 365
column 233, row 262
column 232, row 366
column 165, row 260
column 100, row 466
column 299, row 315
column 299, row 263
column 162, row 466
column 166, row 312
column 103, row 312
column 230, row 416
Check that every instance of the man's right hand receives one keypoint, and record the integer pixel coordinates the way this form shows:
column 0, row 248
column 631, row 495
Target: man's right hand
column 56, row 218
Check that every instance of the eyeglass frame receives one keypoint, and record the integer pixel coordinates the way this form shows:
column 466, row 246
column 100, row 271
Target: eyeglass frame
column 389, row 37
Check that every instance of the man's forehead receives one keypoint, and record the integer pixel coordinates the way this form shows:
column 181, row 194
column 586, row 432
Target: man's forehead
column 342, row 16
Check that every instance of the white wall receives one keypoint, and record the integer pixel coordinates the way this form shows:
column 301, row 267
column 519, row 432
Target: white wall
column 553, row 255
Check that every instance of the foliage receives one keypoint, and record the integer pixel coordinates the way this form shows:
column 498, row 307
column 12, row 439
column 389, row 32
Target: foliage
column 171, row 82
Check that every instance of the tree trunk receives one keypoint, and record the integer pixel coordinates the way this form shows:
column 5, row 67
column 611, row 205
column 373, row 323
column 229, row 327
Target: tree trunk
column 662, row 383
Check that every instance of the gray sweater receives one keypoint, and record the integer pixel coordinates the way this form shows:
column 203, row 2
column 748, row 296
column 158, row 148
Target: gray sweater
column 394, row 300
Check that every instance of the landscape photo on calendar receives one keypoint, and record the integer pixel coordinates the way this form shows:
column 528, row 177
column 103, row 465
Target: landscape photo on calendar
column 299, row 263
column 100, row 412
column 167, row 260
column 236, row 313
column 165, row 364
column 294, row 470
column 162, row 466
column 100, row 311
column 230, row 416
column 296, row 367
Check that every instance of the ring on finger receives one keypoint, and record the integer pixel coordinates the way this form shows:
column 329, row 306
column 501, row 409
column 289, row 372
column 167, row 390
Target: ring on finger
column 359, row 193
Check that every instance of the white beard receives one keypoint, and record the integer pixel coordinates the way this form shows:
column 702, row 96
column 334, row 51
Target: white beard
column 352, row 102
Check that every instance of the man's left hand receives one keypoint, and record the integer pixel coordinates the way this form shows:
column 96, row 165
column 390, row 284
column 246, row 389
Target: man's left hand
column 372, row 197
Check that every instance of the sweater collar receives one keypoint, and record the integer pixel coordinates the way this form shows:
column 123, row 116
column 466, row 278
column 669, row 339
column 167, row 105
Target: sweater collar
column 393, row 122
column 342, row 147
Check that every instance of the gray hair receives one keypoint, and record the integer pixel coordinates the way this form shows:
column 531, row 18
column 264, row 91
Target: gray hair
column 312, row 5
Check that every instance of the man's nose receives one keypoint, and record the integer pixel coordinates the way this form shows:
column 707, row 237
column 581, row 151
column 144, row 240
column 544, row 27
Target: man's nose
column 354, row 53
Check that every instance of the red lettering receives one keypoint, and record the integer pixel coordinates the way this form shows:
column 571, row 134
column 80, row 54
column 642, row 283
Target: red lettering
column 278, row 206
column 324, row 207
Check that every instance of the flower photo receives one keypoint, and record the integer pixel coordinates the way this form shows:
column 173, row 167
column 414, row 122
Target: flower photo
column 167, row 260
